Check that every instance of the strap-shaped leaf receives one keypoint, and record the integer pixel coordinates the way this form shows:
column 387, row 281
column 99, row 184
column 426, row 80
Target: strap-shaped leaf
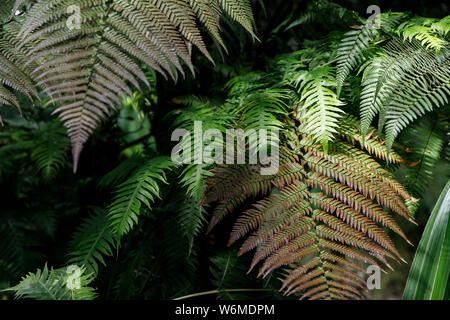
column 430, row 270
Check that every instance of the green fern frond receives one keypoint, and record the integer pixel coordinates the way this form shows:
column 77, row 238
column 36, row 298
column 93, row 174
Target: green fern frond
column 191, row 217
column 55, row 284
column 92, row 240
column 140, row 189
column 351, row 51
column 423, row 95
column 319, row 108
column 426, row 140
column 423, row 30
column 442, row 26
column 51, row 149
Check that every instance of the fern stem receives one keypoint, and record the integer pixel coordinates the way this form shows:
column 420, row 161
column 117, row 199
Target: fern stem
column 220, row 290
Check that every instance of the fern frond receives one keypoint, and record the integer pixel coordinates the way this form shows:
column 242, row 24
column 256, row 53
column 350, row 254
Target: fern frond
column 324, row 224
column 240, row 11
column 422, row 96
column 442, row 26
column 92, row 240
column 320, row 106
column 12, row 74
column 54, row 284
column 140, row 189
column 85, row 67
column 51, row 148
column 191, row 217
column 426, row 139
column 351, row 51
column 422, row 30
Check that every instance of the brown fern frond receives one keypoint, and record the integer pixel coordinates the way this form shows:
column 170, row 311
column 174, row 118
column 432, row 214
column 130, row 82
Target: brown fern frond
column 324, row 222
column 12, row 74
column 85, row 65
column 373, row 144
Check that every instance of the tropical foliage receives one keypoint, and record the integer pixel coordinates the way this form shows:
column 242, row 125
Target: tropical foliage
column 356, row 109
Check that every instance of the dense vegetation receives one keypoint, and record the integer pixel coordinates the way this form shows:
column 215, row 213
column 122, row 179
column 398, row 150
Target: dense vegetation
column 361, row 106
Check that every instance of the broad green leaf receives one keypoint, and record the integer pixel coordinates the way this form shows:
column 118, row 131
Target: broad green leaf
column 429, row 275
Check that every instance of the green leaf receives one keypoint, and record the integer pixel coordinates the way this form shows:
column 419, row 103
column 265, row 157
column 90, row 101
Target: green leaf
column 430, row 270
column 55, row 284
column 141, row 188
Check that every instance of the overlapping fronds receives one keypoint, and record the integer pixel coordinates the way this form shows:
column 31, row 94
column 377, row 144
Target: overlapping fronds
column 402, row 83
column 426, row 140
column 87, row 53
column 55, row 284
column 323, row 221
column 140, row 189
column 428, row 31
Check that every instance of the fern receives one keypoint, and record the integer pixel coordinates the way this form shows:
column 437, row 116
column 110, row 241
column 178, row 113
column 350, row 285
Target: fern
column 320, row 106
column 50, row 149
column 191, row 217
column 320, row 224
column 424, row 30
column 426, row 140
column 351, row 51
column 12, row 75
column 140, row 189
column 92, row 240
column 53, row 284
column 403, row 82
column 85, row 69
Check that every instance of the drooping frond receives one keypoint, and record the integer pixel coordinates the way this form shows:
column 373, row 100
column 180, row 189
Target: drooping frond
column 423, row 94
column 425, row 30
column 191, row 217
column 55, row 284
column 351, row 51
column 12, row 74
column 140, row 189
column 323, row 223
column 240, row 11
column 320, row 106
column 402, row 83
column 87, row 53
